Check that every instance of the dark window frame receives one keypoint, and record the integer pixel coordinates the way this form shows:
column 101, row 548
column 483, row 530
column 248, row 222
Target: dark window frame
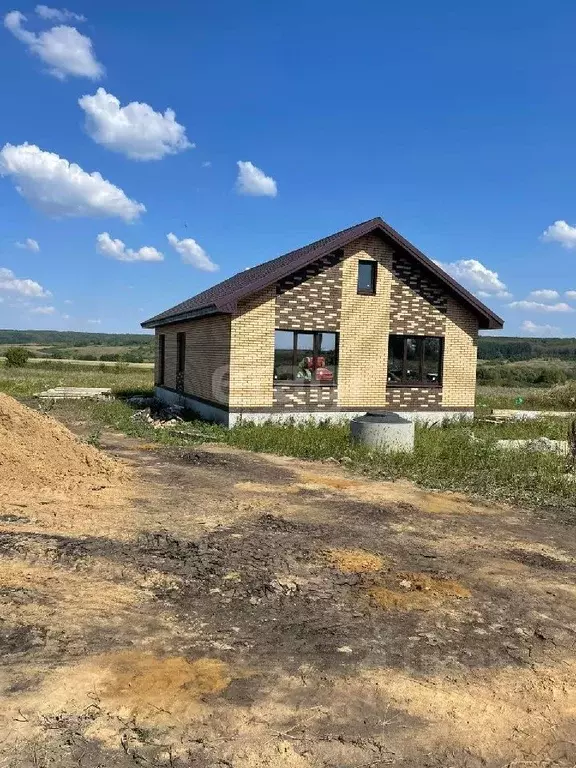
column 180, row 352
column 316, row 352
column 373, row 277
column 161, row 372
column 410, row 382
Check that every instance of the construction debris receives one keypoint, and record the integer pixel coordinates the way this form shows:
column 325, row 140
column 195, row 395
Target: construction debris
column 157, row 414
column 75, row 393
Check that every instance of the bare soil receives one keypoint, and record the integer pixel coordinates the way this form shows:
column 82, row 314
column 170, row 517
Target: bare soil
column 229, row 609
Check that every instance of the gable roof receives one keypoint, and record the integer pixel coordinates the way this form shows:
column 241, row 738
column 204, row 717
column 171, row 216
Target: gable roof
column 224, row 296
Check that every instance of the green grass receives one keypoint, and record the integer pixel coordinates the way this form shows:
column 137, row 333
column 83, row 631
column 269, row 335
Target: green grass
column 558, row 398
column 31, row 379
column 444, row 457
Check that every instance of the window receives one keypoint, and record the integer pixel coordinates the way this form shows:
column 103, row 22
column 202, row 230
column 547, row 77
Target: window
column 161, row 359
column 306, row 357
column 367, row 277
column 415, row 360
column 180, row 352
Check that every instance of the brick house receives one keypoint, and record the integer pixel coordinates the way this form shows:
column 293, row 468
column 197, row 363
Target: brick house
column 360, row 320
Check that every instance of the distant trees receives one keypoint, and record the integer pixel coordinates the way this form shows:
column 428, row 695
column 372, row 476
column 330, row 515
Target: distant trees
column 17, row 357
column 516, row 349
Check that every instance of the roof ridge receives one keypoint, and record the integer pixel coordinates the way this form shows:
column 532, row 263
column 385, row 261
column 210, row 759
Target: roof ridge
column 223, row 296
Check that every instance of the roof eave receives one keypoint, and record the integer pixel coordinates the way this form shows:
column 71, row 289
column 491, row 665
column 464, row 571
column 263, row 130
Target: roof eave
column 182, row 317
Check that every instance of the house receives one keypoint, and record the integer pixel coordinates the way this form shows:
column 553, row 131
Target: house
column 360, row 320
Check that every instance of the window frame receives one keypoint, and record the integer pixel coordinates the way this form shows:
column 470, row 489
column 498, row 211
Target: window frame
column 408, row 382
column 161, row 372
column 315, row 353
column 373, row 281
column 180, row 352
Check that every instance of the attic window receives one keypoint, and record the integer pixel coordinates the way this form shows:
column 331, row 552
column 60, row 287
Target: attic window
column 367, row 277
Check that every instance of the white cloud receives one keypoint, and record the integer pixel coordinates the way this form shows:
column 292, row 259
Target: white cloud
column 135, row 130
column 58, row 14
column 68, row 301
column 22, row 286
column 539, row 307
column 192, row 253
column 207, row 164
column 95, row 322
column 254, row 182
column 62, row 48
column 60, row 188
column 560, row 232
column 474, row 275
column 544, row 294
column 116, row 249
column 29, row 244
column 43, row 310
column 538, row 330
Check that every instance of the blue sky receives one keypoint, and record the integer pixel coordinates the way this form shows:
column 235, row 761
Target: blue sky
column 454, row 122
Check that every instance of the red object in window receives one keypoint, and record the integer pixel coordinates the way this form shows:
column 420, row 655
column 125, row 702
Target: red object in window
column 323, row 374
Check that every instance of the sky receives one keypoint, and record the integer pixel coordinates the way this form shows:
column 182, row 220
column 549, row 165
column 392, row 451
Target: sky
column 148, row 151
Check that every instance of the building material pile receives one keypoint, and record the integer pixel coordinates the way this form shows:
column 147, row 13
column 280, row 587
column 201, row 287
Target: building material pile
column 38, row 454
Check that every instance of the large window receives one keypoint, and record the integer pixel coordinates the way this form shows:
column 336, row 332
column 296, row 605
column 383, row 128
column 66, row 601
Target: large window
column 367, row 271
column 414, row 360
column 306, row 357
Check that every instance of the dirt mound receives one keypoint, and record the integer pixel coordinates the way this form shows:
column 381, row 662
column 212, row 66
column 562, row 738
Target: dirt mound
column 38, row 453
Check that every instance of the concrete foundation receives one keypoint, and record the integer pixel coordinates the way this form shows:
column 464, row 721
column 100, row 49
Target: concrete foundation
column 385, row 431
column 230, row 418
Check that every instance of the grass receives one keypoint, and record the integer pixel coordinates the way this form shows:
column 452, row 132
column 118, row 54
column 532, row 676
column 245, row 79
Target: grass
column 561, row 397
column 27, row 381
column 458, row 457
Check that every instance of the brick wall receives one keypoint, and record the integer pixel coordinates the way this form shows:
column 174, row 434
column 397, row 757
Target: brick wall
column 310, row 299
column 207, row 357
column 414, row 398
column 418, row 302
column 308, row 398
column 460, row 351
column 252, row 351
column 364, row 324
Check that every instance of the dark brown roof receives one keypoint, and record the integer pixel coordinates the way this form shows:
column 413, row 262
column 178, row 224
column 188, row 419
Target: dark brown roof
column 224, row 296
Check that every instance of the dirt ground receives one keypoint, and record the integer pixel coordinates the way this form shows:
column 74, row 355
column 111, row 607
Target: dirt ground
column 233, row 609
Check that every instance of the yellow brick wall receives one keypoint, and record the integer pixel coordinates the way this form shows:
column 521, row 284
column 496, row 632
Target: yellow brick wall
column 252, row 350
column 206, row 371
column 364, row 326
column 460, row 352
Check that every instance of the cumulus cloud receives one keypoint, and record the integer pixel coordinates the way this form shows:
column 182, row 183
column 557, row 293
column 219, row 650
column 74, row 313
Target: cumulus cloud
column 21, row 286
column 537, row 306
column 560, row 232
column 116, row 249
column 192, row 253
column 135, row 130
column 43, row 310
column 60, row 188
column 570, row 294
column 254, row 182
column 58, row 14
column 63, row 49
column 538, row 330
column 475, row 276
column 29, row 244
column 544, row 294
